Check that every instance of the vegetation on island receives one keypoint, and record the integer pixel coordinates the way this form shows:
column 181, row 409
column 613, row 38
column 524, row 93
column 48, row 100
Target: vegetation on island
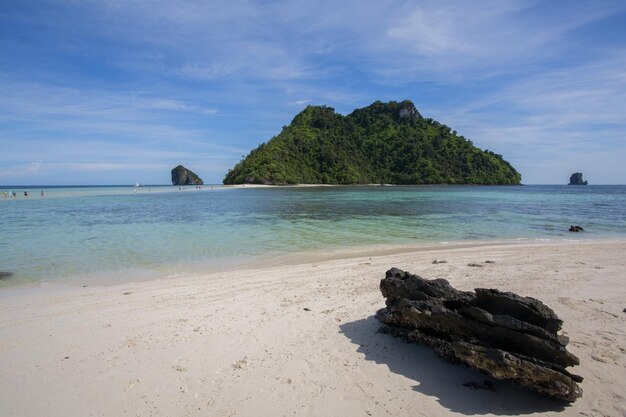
column 382, row 143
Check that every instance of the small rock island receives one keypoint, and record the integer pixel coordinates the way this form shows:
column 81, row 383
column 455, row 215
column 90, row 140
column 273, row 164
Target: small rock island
column 184, row 176
column 577, row 179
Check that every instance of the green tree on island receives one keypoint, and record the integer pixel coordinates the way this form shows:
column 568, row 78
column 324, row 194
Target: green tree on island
column 382, row 143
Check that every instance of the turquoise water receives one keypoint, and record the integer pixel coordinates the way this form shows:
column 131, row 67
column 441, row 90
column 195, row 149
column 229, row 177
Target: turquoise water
column 105, row 232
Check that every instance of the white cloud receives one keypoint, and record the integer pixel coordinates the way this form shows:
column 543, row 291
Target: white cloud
column 553, row 122
column 298, row 40
column 70, row 131
column 22, row 170
column 299, row 102
column 456, row 41
column 174, row 105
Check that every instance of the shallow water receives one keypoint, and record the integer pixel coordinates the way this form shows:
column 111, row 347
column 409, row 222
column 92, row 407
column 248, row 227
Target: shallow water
column 105, row 232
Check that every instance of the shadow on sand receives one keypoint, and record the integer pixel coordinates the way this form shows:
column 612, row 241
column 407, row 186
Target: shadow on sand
column 440, row 379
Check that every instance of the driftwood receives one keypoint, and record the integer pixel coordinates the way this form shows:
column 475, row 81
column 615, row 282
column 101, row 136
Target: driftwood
column 502, row 334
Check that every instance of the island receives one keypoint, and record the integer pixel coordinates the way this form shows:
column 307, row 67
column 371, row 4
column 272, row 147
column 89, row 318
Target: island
column 384, row 143
column 184, row 176
column 577, row 179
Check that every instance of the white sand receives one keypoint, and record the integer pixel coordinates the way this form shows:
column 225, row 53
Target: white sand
column 241, row 344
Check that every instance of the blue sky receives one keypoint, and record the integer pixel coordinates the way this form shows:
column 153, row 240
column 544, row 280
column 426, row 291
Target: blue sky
column 120, row 91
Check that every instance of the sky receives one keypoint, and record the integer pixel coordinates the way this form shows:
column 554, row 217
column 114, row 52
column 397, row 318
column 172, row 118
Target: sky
column 121, row 91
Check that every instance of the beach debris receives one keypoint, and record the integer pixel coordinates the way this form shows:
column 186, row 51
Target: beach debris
column 127, row 293
column 475, row 265
column 501, row 334
column 5, row 274
column 490, row 262
column 283, row 380
column 442, row 261
column 306, row 309
column 241, row 364
column 576, row 229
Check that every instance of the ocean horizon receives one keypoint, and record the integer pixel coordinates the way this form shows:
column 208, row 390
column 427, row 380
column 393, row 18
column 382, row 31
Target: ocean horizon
column 113, row 233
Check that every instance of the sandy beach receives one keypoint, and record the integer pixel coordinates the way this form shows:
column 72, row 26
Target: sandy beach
column 299, row 339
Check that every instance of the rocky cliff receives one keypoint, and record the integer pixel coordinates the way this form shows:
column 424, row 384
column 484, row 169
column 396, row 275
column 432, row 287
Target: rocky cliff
column 577, row 179
column 184, row 176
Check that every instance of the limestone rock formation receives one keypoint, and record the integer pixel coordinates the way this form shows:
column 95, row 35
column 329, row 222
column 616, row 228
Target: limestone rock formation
column 577, row 179
column 576, row 229
column 502, row 334
column 184, row 176
column 5, row 274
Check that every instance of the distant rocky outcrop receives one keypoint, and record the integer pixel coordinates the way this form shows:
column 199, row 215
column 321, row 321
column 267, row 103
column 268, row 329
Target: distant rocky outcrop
column 502, row 334
column 5, row 274
column 184, row 176
column 576, row 229
column 577, row 179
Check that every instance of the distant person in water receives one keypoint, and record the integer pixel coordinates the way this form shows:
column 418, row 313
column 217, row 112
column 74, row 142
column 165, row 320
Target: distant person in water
column 42, row 193
column 25, row 193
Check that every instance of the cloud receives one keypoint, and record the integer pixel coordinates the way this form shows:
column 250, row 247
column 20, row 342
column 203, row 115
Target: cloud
column 300, row 40
column 175, row 105
column 587, row 96
column 566, row 117
column 69, row 130
column 299, row 102
column 30, row 169
column 94, row 113
column 460, row 41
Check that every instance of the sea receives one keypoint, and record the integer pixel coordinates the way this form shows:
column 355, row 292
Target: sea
column 112, row 234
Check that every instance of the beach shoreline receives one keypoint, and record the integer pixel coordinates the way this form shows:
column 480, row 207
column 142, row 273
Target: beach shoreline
column 101, row 234
column 299, row 339
column 244, row 264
